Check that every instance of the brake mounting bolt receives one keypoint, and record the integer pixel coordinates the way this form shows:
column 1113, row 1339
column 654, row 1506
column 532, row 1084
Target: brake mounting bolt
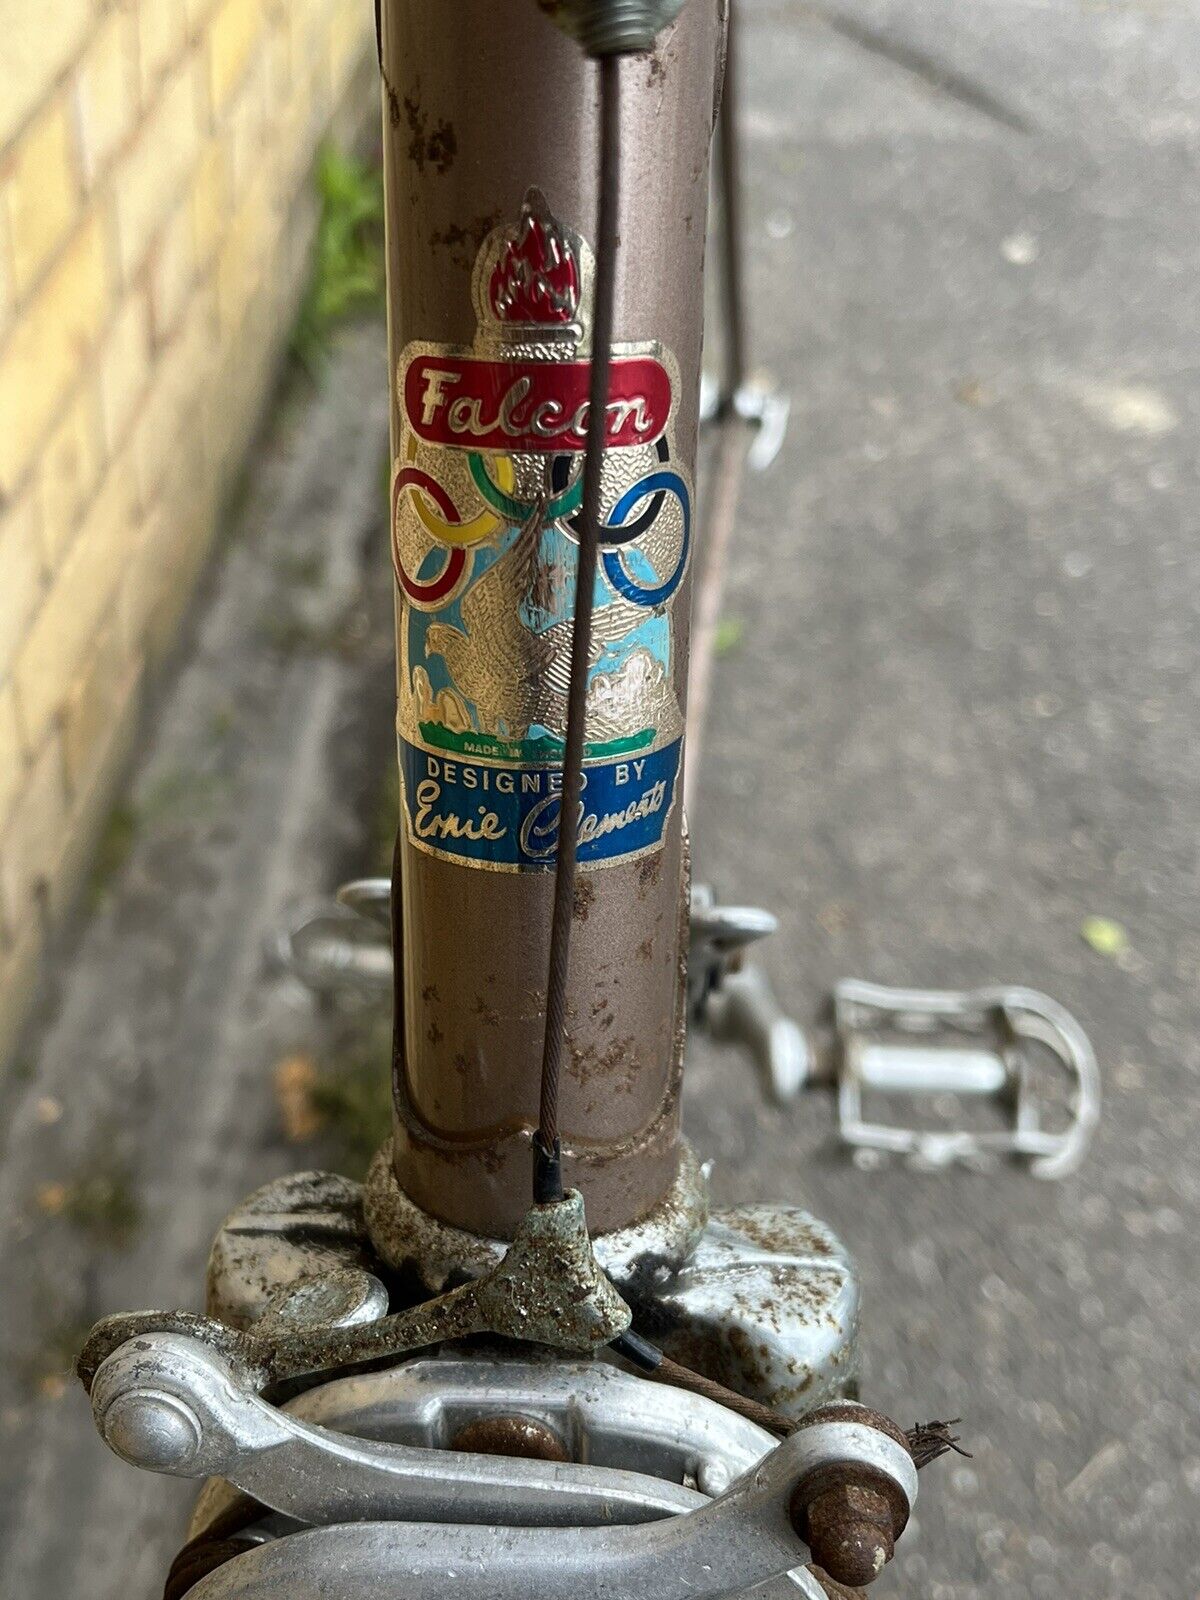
column 850, row 1515
column 850, row 1533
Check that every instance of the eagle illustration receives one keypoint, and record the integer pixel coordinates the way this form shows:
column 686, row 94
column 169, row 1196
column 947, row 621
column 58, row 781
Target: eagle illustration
column 517, row 677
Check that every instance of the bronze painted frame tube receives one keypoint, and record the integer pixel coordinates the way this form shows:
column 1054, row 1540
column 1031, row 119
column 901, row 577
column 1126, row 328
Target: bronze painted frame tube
column 490, row 139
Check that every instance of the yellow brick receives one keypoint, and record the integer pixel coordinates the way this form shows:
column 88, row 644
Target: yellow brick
column 12, row 765
column 232, row 37
column 46, row 347
column 40, row 192
column 8, row 293
column 348, row 34
column 34, row 835
column 162, row 29
column 20, row 575
column 210, row 200
column 310, row 103
column 243, row 262
column 247, row 134
column 69, row 469
column 99, row 688
column 197, row 13
column 125, row 366
column 18, row 984
column 172, row 268
column 38, row 42
column 278, row 51
column 91, row 804
column 236, row 401
column 178, row 537
column 154, row 172
column 79, row 599
column 106, row 90
column 181, row 372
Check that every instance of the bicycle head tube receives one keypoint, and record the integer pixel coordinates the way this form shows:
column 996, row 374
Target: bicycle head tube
column 490, row 135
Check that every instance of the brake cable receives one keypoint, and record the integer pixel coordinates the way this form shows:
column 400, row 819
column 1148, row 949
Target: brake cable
column 547, row 1145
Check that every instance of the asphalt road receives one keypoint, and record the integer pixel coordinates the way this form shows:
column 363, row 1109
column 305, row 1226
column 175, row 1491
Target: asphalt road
column 962, row 718
column 958, row 720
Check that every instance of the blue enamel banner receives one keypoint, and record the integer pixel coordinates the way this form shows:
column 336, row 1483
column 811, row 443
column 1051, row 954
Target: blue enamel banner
column 508, row 817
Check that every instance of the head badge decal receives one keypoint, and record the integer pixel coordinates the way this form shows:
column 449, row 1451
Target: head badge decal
column 486, row 493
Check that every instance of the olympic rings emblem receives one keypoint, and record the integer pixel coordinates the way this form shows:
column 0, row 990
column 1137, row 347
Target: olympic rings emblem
column 441, row 518
column 430, row 591
column 614, row 565
column 563, row 505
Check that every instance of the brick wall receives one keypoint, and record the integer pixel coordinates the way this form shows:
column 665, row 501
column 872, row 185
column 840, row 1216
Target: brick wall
column 155, row 223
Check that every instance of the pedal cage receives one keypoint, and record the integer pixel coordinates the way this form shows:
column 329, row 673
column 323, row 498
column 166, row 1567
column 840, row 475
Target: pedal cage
column 970, row 1043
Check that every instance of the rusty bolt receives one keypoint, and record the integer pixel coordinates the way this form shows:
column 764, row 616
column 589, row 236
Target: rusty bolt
column 851, row 1515
column 850, row 1533
column 511, row 1436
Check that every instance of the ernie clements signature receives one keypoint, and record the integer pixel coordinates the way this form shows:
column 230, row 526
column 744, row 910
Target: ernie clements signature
column 539, row 830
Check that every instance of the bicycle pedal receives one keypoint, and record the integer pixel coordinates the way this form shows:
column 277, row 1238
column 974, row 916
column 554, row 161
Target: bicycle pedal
column 978, row 1044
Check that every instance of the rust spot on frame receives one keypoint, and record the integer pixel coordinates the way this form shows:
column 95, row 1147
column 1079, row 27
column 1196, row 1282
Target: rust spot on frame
column 438, row 147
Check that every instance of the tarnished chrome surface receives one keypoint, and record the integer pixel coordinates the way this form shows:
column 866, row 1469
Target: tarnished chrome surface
column 548, row 1288
column 339, row 1297
column 971, row 1042
column 767, row 1304
column 172, row 1405
column 729, row 1545
column 764, row 1299
column 406, row 1236
column 329, row 947
column 370, row 898
column 718, row 938
column 742, row 1009
column 292, row 1228
column 758, row 401
column 606, row 1416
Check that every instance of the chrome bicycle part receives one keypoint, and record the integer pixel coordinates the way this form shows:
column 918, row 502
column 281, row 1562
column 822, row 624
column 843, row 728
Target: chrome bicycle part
column 996, row 1044
column 757, row 401
column 974, row 1043
column 170, row 1404
column 732, row 1544
column 613, row 27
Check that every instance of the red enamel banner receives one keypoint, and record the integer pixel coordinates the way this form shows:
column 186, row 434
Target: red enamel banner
column 532, row 405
